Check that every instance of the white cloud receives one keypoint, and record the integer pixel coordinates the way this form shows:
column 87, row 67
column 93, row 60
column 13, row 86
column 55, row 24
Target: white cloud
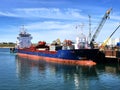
column 115, row 17
column 49, row 25
column 8, row 14
column 52, row 29
column 53, row 13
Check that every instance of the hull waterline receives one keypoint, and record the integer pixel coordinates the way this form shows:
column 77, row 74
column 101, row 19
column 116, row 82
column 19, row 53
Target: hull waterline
column 58, row 60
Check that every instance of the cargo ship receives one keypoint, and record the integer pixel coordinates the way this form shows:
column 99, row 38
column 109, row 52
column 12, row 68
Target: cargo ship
column 77, row 53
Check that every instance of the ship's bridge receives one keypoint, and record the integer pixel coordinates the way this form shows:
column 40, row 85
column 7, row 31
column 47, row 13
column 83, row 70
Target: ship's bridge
column 24, row 39
column 81, row 42
column 24, row 34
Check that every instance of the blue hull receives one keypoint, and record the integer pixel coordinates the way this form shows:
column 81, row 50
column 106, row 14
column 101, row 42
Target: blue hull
column 92, row 54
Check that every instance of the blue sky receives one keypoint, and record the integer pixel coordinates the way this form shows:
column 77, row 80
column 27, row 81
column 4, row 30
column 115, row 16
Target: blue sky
column 51, row 19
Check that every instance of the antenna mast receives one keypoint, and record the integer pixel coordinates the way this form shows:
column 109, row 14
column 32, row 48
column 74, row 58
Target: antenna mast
column 89, row 37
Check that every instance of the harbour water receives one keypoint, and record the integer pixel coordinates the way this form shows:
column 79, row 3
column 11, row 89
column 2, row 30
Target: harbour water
column 24, row 74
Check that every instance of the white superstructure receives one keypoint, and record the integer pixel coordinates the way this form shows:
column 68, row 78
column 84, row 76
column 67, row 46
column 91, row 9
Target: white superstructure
column 81, row 42
column 24, row 39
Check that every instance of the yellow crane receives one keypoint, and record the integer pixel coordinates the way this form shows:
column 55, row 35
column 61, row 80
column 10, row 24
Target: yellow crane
column 106, row 41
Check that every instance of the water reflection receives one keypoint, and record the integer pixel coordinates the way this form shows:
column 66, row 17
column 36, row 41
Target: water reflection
column 111, row 68
column 76, row 77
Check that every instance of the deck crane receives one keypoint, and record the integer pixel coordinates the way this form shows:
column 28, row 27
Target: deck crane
column 105, row 43
column 105, row 17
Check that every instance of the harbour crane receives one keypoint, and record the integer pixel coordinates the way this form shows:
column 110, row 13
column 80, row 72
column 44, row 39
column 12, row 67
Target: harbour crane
column 105, row 17
column 105, row 43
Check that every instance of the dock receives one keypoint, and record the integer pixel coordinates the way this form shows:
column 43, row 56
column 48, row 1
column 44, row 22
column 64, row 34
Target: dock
column 112, row 56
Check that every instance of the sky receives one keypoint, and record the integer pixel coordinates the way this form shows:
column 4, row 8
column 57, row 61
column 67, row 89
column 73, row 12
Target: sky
column 47, row 20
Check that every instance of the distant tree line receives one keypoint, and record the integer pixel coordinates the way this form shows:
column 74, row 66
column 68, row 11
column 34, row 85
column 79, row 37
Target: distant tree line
column 7, row 44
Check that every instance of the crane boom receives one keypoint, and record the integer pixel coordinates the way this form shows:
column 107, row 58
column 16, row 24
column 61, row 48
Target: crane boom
column 104, row 43
column 105, row 17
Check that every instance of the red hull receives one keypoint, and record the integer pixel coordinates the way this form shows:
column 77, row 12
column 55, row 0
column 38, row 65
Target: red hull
column 58, row 60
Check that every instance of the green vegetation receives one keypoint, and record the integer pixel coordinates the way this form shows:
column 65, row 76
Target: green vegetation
column 4, row 44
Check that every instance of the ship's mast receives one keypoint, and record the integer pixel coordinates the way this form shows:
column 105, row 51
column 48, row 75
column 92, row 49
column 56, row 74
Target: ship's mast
column 22, row 29
column 89, row 37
